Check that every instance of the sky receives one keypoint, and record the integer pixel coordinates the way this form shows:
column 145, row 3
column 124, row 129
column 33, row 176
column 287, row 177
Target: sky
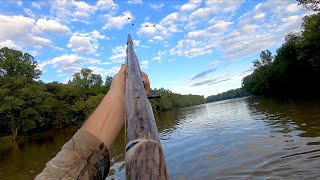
column 189, row 47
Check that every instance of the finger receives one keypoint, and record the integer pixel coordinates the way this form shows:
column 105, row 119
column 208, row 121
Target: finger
column 143, row 74
column 146, row 82
column 123, row 69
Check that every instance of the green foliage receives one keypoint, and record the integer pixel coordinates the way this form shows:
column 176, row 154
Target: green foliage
column 295, row 68
column 310, row 4
column 27, row 105
column 233, row 93
column 170, row 100
column 24, row 105
column 310, row 39
column 15, row 63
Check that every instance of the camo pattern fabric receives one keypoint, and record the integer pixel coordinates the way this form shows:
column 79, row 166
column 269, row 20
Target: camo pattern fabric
column 84, row 156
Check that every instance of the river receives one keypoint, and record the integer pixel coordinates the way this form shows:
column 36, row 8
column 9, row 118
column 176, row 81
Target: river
column 233, row 139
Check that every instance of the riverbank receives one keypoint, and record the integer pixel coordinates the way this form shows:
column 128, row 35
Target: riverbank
column 5, row 139
column 243, row 138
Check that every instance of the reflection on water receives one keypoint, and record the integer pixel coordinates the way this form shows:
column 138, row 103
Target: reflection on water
column 232, row 139
column 24, row 160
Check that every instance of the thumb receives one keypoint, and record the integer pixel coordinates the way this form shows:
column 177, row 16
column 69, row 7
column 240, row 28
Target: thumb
column 123, row 69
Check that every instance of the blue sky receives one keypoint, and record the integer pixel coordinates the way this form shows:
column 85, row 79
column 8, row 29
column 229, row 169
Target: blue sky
column 190, row 47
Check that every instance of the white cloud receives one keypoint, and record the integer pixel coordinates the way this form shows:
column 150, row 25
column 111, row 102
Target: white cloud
column 258, row 29
column 85, row 42
column 169, row 19
column 157, row 31
column 135, row 2
column 105, row 72
column 20, row 31
column 79, row 11
column 215, row 63
column 106, row 4
column 147, row 29
column 292, row 8
column 136, row 43
column 156, row 6
column 119, row 54
column 19, row 3
column 83, row 9
column 193, row 4
column 159, row 38
column 144, row 64
column 9, row 44
column 221, row 25
column 215, row 7
column 159, row 56
column 28, row 12
column 118, row 22
column 36, row 5
column 69, row 63
column 52, row 26
column 259, row 16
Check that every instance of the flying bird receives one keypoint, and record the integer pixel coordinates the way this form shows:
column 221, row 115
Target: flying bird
column 129, row 18
column 132, row 25
column 146, row 26
column 154, row 25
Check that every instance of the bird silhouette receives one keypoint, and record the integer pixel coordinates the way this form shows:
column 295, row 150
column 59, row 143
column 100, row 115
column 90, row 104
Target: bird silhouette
column 146, row 26
column 132, row 25
column 129, row 18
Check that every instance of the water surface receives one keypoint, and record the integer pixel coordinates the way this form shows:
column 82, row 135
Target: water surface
column 234, row 139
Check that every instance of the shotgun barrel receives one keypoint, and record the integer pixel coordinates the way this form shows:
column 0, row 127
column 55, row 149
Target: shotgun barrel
column 144, row 156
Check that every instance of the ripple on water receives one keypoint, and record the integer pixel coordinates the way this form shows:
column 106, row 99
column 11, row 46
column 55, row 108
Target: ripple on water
column 234, row 139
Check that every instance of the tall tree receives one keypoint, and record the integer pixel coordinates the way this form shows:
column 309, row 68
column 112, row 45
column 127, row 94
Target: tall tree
column 310, row 4
column 265, row 59
column 24, row 105
column 86, row 79
column 310, row 40
column 16, row 63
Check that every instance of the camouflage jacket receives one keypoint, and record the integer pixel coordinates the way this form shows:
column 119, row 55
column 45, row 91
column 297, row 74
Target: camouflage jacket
column 84, row 156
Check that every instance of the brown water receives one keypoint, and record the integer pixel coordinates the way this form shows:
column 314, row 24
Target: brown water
column 249, row 138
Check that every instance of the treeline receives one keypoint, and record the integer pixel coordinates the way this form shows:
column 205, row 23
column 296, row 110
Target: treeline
column 233, row 93
column 28, row 104
column 294, row 70
column 170, row 100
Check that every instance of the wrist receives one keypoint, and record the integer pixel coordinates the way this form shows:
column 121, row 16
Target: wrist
column 107, row 120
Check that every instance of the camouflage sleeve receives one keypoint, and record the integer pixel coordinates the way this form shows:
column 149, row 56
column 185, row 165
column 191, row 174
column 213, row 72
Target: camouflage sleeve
column 84, row 156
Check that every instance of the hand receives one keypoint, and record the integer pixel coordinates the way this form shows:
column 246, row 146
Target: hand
column 118, row 84
column 108, row 119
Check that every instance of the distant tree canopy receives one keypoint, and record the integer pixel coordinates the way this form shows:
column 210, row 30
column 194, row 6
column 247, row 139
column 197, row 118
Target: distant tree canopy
column 170, row 100
column 233, row 93
column 15, row 63
column 294, row 70
column 27, row 105
column 310, row 4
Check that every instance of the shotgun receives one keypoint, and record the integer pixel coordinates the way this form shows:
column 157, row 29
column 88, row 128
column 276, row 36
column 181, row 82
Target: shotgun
column 144, row 156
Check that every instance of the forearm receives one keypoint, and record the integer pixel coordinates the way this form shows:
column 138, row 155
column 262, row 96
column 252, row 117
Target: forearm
column 83, row 157
column 107, row 120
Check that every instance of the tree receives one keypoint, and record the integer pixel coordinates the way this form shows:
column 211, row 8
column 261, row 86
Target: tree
column 86, row 79
column 310, row 4
column 108, row 81
column 295, row 68
column 16, row 63
column 88, row 83
column 265, row 59
column 25, row 105
column 310, row 40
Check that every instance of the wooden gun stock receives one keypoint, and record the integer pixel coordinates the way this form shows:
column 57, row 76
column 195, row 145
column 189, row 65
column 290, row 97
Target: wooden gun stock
column 144, row 156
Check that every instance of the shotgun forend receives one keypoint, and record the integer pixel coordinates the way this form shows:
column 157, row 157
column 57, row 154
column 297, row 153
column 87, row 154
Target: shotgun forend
column 144, row 156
